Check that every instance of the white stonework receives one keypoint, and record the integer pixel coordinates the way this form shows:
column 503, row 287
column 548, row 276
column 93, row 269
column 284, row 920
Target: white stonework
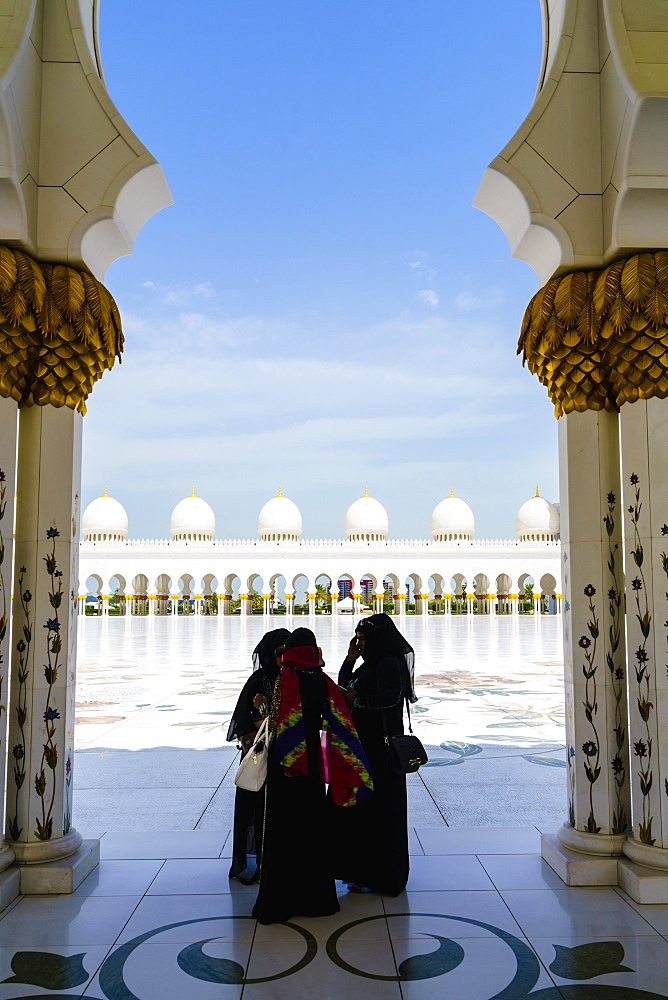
column 583, row 184
column 493, row 571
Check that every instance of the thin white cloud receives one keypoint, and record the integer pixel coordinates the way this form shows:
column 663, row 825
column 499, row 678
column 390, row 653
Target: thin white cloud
column 485, row 299
column 180, row 295
column 149, row 284
column 428, row 297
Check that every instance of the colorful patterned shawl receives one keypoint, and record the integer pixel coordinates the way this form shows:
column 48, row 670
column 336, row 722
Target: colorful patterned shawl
column 343, row 763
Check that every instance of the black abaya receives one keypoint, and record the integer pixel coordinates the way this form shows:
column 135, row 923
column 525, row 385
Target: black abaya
column 372, row 839
column 249, row 806
column 296, row 874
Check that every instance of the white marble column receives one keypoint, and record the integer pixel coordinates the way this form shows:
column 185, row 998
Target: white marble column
column 379, row 600
column 645, row 480
column 594, row 646
column 334, row 594
column 400, row 604
column 311, row 603
column 289, row 604
column 266, row 607
column 469, row 604
column 39, row 806
column 8, row 434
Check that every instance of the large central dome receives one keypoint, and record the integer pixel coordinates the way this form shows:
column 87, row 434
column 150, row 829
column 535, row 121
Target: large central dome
column 280, row 520
column 366, row 520
column 192, row 520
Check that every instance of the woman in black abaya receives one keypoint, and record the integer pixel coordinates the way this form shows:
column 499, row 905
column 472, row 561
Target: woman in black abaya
column 314, row 746
column 372, row 840
column 248, row 806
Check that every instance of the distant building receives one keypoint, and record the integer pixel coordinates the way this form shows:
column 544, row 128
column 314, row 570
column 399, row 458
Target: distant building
column 195, row 571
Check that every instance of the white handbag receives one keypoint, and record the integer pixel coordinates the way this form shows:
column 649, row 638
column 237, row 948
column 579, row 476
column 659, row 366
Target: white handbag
column 252, row 771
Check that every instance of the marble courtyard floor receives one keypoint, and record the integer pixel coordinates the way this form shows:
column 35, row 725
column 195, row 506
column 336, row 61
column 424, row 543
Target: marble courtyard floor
column 483, row 917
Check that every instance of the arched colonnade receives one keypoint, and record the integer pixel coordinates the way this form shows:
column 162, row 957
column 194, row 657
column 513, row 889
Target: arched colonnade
column 396, row 587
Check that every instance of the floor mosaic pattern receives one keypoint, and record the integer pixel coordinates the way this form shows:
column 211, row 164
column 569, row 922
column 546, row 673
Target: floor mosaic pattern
column 494, row 925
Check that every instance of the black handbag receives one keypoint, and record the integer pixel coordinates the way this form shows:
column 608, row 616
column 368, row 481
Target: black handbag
column 406, row 752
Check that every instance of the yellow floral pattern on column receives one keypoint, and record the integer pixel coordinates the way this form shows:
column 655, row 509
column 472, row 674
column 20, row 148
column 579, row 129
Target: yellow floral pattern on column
column 598, row 339
column 60, row 330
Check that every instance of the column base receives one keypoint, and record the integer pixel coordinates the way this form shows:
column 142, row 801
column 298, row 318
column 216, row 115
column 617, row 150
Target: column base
column 10, row 887
column 576, row 868
column 645, row 854
column 6, row 856
column 596, row 844
column 641, row 882
column 643, row 885
column 39, row 851
column 63, row 875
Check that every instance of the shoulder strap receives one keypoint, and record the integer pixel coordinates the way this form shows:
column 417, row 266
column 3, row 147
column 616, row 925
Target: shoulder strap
column 408, row 709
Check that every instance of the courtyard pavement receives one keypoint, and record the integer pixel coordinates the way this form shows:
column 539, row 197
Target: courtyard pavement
column 483, row 917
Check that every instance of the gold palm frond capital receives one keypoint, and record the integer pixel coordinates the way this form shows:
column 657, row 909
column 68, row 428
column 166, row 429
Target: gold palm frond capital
column 60, row 330
column 598, row 339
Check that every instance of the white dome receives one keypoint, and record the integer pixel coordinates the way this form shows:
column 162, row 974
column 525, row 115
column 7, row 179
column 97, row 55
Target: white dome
column 452, row 520
column 366, row 520
column 537, row 520
column 192, row 520
column 279, row 520
column 104, row 520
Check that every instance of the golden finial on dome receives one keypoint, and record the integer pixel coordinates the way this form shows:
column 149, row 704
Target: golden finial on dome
column 193, row 494
column 537, row 493
column 280, row 491
column 106, row 492
column 366, row 491
column 452, row 493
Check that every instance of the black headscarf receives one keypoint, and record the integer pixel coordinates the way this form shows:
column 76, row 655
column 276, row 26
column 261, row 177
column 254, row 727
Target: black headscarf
column 383, row 638
column 301, row 637
column 261, row 681
column 264, row 654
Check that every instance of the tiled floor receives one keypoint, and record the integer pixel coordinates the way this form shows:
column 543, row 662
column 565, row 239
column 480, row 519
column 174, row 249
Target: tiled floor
column 483, row 917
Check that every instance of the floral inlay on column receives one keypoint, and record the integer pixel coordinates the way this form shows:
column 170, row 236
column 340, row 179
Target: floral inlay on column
column 620, row 820
column 664, row 563
column 3, row 614
column 591, row 748
column 642, row 749
column 44, row 825
column 21, row 708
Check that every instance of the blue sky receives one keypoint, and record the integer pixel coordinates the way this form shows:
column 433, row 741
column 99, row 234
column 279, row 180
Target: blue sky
column 322, row 308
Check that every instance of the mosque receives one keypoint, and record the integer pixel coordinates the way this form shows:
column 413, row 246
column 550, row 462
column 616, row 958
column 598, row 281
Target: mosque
column 581, row 194
column 193, row 571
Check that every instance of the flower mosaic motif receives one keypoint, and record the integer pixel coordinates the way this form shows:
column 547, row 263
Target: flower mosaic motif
column 47, row 970
column 4, row 619
column 591, row 748
column 587, row 961
column 21, row 707
column 643, row 672
column 620, row 819
column 49, row 759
